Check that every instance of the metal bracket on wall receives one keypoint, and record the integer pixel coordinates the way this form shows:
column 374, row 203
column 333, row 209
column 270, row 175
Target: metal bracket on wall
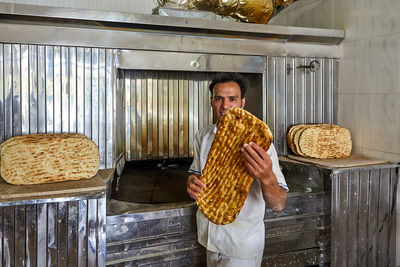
column 313, row 66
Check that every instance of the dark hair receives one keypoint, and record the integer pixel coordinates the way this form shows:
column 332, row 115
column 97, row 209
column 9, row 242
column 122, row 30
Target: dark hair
column 230, row 77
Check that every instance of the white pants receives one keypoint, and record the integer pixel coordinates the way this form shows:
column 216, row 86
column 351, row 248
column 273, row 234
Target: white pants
column 215, row 259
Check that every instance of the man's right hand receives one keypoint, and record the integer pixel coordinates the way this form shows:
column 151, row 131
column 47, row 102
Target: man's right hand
column 194, row 186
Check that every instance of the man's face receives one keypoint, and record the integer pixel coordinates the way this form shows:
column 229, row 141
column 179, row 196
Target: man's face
column 226, row 95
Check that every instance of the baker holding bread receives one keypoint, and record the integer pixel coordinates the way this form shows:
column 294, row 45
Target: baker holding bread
column 241, row 242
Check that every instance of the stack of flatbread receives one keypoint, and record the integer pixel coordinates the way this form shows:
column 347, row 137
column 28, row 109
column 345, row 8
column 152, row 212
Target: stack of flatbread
column 48, row 158
column 321, row 141
column 225, row 174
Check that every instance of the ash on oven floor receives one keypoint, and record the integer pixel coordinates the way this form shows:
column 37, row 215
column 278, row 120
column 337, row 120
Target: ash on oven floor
column 153, row 181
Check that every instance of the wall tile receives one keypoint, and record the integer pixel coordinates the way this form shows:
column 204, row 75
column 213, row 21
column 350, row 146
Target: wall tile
column 380, row 130
column 352, row 68
column 381, row 17
column 350, row 106
column 348, row 15
column 382, row 64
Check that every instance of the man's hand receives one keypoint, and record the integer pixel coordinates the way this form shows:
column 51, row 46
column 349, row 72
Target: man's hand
column 259, row 165
column 194, row 186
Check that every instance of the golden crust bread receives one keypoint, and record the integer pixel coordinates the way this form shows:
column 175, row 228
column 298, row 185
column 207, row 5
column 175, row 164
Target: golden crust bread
column 321, row 141
column 48, row 158
column 225, row 174
column 326, row 142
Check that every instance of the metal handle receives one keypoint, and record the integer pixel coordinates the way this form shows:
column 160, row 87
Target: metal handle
column 313, row 66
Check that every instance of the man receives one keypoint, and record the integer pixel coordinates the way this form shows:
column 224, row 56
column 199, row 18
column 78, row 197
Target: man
column 240, row 243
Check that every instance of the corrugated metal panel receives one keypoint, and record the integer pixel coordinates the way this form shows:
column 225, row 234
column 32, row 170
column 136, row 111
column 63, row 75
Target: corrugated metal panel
column 163, row 112
column 295, row 96
column 363, row 216
column 52, row 89
column 47, row 234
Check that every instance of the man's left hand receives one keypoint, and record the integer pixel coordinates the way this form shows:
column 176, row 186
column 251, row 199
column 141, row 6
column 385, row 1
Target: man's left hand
column 258, row 162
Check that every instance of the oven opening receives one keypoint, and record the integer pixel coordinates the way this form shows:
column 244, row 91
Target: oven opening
column 162, row 111
column 153, row 181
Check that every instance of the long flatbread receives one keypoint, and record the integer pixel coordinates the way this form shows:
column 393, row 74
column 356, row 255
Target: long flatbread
column 47, row 158
column 225, row 174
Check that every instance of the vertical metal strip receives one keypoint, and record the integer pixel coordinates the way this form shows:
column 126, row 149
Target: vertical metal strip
column 65, row 90
column 2, row 98
column 372, row 218
column 300, row 91
column 72, row 230
column 271, row 94
column 196, row 101
column 52, row 234
column 363, row 218
column 191, row 117
column 327, row 90
column 156, row 106
column 128, row 112
column 393, row 220
column 41, row 238
column 166, row 115
column 88, row 93
column 109, row 108
column 383, row 217
column 133, row 115
column 353, row 214
column 57, row 89
column 33, row 88
column 62, row 234
column 101, row 231
column 72, row 82
column 181, row 111
column 160, row 114
column 149, row 115
column 139, row 116
column 82, row 245
column 20, row 237
column 318, row 92
column 280, row 105
column 1, row 225
column 144, row 116
column 41, row 102
column 95, row 95
column 8, row 236
column 24, row 74
column 49, row 89
column 92, row 235
column 335, row 90
column 8, row 108
column 80, row 90
column 201, row 100
column 291, row 93
column 102, row 107
column 175, row 104
column 342, row 219
column 16, row 89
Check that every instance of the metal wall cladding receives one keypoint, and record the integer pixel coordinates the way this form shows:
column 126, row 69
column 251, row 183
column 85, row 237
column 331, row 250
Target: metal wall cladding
column 164, row 110
column 364, row 217
column 296, row 95
column 54, row 89
column 70, row 233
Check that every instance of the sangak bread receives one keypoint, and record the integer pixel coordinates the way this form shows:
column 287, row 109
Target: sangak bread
column 326, row 142
column 47, row 158
column 321, row 141
column 225, row 174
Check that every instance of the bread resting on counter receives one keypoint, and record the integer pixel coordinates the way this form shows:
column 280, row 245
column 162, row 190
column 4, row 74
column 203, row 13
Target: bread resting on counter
column 321, row 141
column 48, row 158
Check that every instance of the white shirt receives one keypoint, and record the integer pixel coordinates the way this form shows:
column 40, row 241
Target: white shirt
column 245, row 236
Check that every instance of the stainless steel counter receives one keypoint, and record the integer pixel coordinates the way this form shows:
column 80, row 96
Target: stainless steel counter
column 63, row 226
